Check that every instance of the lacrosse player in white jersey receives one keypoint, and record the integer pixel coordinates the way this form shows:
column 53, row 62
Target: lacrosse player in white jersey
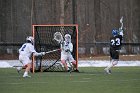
column 66, row 50
column 25, row 53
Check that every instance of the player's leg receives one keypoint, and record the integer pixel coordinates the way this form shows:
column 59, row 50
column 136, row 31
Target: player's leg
column 71, row 59
column 27, row 64
column 115, row 56
column 20, row 68
column 27, row 70
column 64, row 64
column 108, row 68
column 63, row 61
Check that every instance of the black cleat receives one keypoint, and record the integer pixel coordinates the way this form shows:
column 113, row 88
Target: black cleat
column 76, row 70
column 109, row 71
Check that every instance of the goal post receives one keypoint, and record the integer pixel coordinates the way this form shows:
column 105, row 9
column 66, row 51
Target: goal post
column 44, row 42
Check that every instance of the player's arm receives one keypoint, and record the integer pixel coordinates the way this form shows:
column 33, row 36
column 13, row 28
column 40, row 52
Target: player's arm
column 69, row 47
column 32, row 49
column 38, row 54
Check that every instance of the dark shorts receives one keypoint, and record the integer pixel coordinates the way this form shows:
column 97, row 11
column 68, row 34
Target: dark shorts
column 114, row 54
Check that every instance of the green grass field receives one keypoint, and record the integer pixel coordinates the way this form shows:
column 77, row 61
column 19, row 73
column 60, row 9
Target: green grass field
column 89, row 80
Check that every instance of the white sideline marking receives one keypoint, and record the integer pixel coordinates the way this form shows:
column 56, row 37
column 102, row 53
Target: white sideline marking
column 81, row 63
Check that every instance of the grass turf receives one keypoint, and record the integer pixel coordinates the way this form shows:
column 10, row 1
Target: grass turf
column 89, row 80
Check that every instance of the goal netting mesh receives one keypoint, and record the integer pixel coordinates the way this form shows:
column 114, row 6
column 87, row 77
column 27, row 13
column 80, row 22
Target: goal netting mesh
column 44, row 41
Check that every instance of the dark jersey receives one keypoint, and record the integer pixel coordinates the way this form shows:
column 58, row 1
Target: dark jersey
column 116, row 42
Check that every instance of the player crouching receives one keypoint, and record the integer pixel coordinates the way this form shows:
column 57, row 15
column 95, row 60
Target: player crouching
column 25, row 53
column 66, row 56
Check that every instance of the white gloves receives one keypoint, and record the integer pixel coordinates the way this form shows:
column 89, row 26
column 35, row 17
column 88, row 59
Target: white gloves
column 43, row 53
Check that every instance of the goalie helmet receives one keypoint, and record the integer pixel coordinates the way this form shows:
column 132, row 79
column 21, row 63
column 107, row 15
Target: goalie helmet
column 30, row 39
column 114, row 32
column 68, row 38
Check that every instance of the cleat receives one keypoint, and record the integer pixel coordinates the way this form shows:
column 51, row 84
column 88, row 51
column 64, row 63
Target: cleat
column 76, row 70
column 18, row 69
column 69, row 69
column 107, row 71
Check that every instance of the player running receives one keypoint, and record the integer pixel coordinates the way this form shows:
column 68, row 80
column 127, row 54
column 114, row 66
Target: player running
column 115, row 46
column 25, row 54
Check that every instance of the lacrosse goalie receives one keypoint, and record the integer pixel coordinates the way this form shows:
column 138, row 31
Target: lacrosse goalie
column 66, row 50
column 25, row 53
column 115, row 46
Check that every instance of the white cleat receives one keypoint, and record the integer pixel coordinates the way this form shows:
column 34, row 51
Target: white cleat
column 107, row 71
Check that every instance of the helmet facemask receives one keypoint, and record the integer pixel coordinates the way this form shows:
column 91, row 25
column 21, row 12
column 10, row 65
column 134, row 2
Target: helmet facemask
column 67, row 38
column 30, row 39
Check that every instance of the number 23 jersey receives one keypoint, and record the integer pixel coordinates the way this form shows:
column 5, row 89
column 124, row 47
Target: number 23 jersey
column 116, row 42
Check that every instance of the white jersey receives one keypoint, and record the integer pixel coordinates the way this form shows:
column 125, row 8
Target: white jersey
column 66, row 46
column 25, row 53
column 27, row 49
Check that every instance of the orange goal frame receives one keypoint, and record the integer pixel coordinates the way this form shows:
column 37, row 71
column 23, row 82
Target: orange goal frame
column 63, row 25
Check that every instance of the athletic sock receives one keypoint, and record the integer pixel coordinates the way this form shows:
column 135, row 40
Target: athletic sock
column 25, row 73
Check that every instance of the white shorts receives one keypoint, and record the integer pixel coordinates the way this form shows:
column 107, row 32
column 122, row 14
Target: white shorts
column 24, row 60
column 68, row 57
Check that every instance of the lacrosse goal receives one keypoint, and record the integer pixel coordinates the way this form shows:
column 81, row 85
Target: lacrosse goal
column 44, row 41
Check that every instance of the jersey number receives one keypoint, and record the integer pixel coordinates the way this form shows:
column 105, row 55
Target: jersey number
column 22, row 49
column 116, row 41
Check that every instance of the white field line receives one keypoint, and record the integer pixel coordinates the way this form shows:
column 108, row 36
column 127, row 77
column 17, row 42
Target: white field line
column 80, row 81
column 81, row 63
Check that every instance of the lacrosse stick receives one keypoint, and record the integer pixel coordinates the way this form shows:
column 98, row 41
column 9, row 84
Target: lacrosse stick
column 58, row 37
column 52, row 51
column 121, row 28
column 121, row 21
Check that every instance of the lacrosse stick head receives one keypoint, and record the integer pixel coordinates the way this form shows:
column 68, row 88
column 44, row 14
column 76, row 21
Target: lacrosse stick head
column 58, row 37
column 121, row 20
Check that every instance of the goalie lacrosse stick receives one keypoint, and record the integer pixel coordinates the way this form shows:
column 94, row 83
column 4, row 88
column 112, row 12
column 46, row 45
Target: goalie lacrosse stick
column 58, row 37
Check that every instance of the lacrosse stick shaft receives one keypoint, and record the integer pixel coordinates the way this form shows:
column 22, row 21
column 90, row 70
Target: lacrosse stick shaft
column 52, row 51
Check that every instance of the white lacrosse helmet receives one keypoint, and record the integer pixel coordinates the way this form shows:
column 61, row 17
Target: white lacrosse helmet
column 68, row 38
column 30, row 38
